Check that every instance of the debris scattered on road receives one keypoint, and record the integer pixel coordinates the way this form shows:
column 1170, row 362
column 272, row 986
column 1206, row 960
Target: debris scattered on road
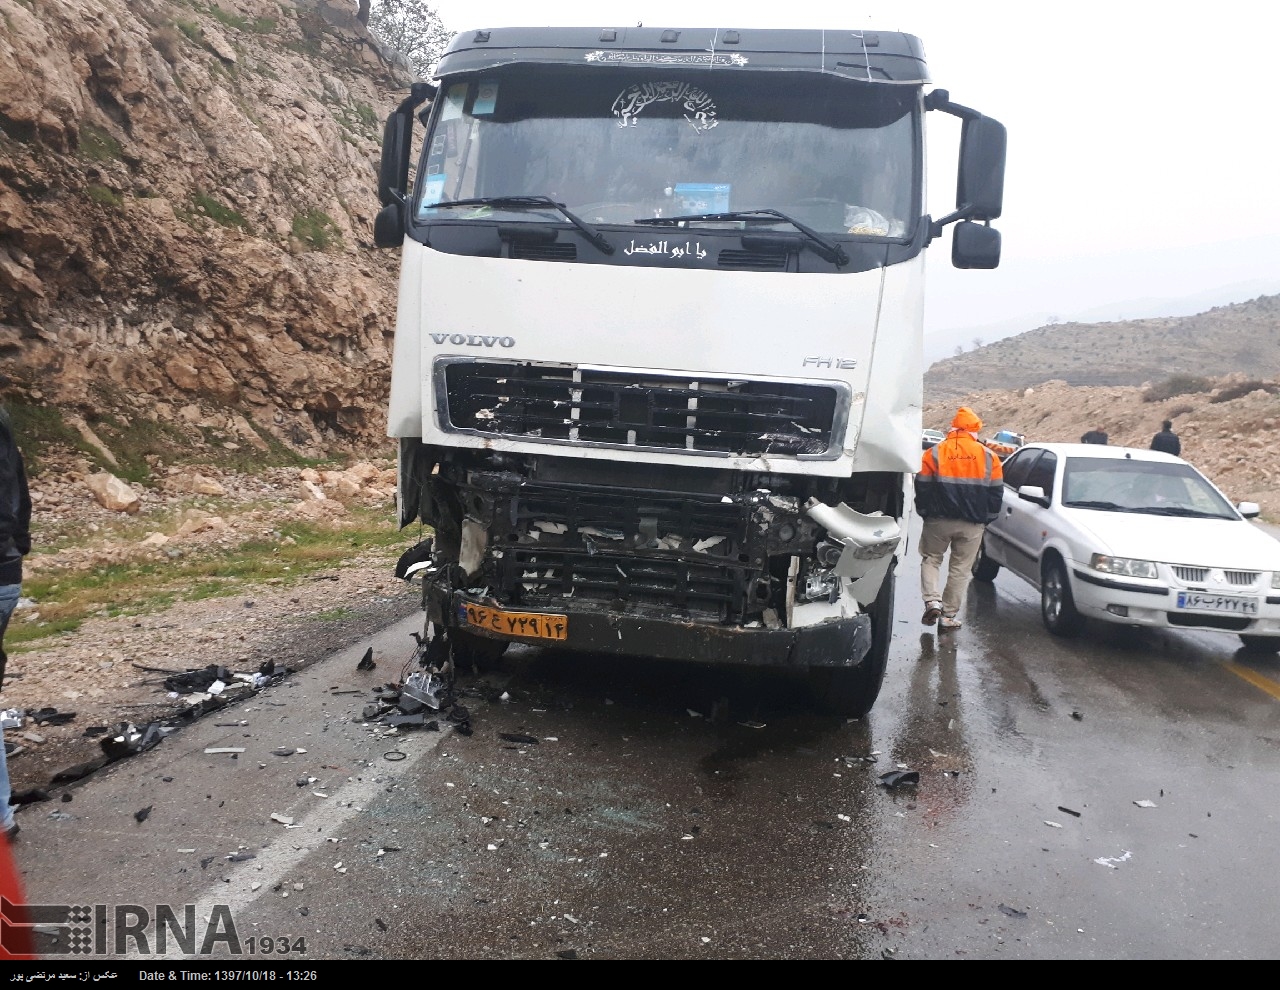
column 283, row 751
column 1012, row 912
column 752, row 724
column 1144, row 803
column 897, row 778
column 1078, row 716
column 50, row 716
column 1053, row 824
column 1074, row 814
column 215, row 750
column 1110, row 861
column 240, row 857
column 282, row 819
column 366, row 661
column 141, row 814
column 516, row 737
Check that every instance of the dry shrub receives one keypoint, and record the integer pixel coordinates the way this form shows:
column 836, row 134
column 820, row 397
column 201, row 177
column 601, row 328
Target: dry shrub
column 1176, row 385
column 167, row 41
column 1237, row 389
column 1181, row 409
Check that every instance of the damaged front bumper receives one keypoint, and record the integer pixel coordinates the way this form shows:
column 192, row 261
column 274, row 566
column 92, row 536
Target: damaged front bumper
column 835, row 642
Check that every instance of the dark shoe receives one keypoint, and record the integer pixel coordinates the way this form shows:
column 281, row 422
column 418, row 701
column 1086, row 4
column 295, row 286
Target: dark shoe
column 932, row 610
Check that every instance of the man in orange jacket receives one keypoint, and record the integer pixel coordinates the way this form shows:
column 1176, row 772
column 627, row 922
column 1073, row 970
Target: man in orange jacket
column 958, row 491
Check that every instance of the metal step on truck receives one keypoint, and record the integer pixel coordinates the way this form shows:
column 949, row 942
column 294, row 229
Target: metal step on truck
column 657, row 373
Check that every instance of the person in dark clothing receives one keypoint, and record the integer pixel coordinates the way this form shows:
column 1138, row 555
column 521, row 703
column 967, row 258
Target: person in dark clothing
column 15, row 543
column 1095, row 436
column 1166, row 441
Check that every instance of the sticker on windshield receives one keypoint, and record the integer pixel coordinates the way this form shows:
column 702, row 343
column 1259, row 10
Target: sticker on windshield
column 486, row 98
column 453, row 102
column 702, row 197
column 699, row 108
column 432, row 192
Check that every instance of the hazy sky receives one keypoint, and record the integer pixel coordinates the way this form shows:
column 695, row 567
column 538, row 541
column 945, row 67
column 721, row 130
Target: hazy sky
column 1143, row 136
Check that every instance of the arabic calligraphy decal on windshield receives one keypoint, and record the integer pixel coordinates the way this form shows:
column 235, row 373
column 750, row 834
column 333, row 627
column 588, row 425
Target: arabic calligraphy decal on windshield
column 689, row 249
column 664, row 58
column 700, row 109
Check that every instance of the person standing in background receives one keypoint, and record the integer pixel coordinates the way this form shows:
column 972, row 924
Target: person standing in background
column 1166, row 441
column 15, row 543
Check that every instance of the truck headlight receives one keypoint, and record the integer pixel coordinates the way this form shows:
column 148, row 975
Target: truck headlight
column 1123, row 565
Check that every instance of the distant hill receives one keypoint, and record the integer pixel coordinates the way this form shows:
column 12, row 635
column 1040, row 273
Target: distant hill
column 1242, row 337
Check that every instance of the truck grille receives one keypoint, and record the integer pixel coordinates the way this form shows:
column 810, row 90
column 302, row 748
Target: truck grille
column 542, row 576
column 560, row 404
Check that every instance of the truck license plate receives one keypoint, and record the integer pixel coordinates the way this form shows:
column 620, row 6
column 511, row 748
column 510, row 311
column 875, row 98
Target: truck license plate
column 1201, row 602
column 533, row 625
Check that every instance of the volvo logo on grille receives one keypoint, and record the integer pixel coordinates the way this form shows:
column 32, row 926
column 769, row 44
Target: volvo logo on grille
column 472, row 340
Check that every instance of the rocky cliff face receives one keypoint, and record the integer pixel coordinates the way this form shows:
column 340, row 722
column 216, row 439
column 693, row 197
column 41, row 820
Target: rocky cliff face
column 187, row 194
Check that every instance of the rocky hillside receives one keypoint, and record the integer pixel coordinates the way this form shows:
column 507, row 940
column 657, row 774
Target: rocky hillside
column 1224, row 340
column 186, row 197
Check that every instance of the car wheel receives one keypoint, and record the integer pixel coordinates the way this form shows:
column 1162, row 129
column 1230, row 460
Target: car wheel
column 851, row 691
column 1260, row 644
column 478, row 653
column 1057, row 607
column 984, row 568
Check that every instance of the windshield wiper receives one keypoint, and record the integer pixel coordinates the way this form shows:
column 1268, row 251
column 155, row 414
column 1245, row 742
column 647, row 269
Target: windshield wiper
column 521, row 202
column 1180, row 510
column 1105, row 506
column 825, row 249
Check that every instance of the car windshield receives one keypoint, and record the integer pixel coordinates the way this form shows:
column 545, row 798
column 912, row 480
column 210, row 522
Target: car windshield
column 1151, row 487
column 615, row 145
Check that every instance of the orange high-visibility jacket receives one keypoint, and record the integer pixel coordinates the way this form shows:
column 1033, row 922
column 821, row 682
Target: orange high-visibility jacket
column 959, row 479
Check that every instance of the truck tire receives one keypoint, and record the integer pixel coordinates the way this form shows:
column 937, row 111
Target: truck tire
column 851, row 691
column 984, row 568
column 477, row 653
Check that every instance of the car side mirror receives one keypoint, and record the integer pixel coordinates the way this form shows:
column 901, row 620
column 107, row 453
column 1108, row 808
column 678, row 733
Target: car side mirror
column 388, row 226
column 975, row 245
column 1034, row 493
column 1250, row 510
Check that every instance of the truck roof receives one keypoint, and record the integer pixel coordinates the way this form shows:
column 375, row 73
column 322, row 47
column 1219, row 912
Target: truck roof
column 868, row 56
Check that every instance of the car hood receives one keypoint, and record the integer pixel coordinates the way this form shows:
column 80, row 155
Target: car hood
column 1227, row 543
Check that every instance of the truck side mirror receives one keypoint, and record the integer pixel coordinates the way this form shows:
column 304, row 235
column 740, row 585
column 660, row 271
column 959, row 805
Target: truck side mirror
column 393, row 171
column 980, row 183
column 388, row 226
column 975, row 245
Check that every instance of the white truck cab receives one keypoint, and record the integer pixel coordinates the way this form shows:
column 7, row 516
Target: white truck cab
column 657, row 372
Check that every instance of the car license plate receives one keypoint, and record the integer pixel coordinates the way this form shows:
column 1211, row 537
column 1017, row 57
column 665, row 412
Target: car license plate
column 1201, row 602
column 533, row 625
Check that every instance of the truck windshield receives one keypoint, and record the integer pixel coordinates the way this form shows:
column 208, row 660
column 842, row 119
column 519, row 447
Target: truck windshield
column 619, row 145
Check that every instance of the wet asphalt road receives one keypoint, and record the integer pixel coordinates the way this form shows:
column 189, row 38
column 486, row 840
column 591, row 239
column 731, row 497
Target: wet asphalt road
column 681, row 812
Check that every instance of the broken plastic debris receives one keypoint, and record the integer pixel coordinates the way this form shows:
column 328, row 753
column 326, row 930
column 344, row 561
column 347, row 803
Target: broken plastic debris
column 282, row 751
column 1110, row 861
column 843, row 818
column 216, row 688
column 1074, row 814
column 366, row 661
column 214, row 750
column 1144, row 803
column 702, row 546
column 516, row 737
column 1053, row 824
column 752, row 725
column 896, row 778
column 1012, row 912
column 282, row 819
column 141, row 814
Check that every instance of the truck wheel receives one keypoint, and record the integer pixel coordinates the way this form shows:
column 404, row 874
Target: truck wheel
column 477, row 653
column 1260, row 644
column 984, row 568
column 1057, row 607
column 851, row 691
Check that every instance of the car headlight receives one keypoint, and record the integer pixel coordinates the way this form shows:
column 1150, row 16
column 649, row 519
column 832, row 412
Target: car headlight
column 1123, row 565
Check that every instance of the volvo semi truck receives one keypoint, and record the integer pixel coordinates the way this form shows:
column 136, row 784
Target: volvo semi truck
column 657, row 372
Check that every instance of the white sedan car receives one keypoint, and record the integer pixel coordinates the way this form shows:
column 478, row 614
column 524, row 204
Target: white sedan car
column 1134, row 537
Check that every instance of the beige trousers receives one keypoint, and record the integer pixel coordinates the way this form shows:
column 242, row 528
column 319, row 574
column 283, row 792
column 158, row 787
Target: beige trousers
column 963, row 539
